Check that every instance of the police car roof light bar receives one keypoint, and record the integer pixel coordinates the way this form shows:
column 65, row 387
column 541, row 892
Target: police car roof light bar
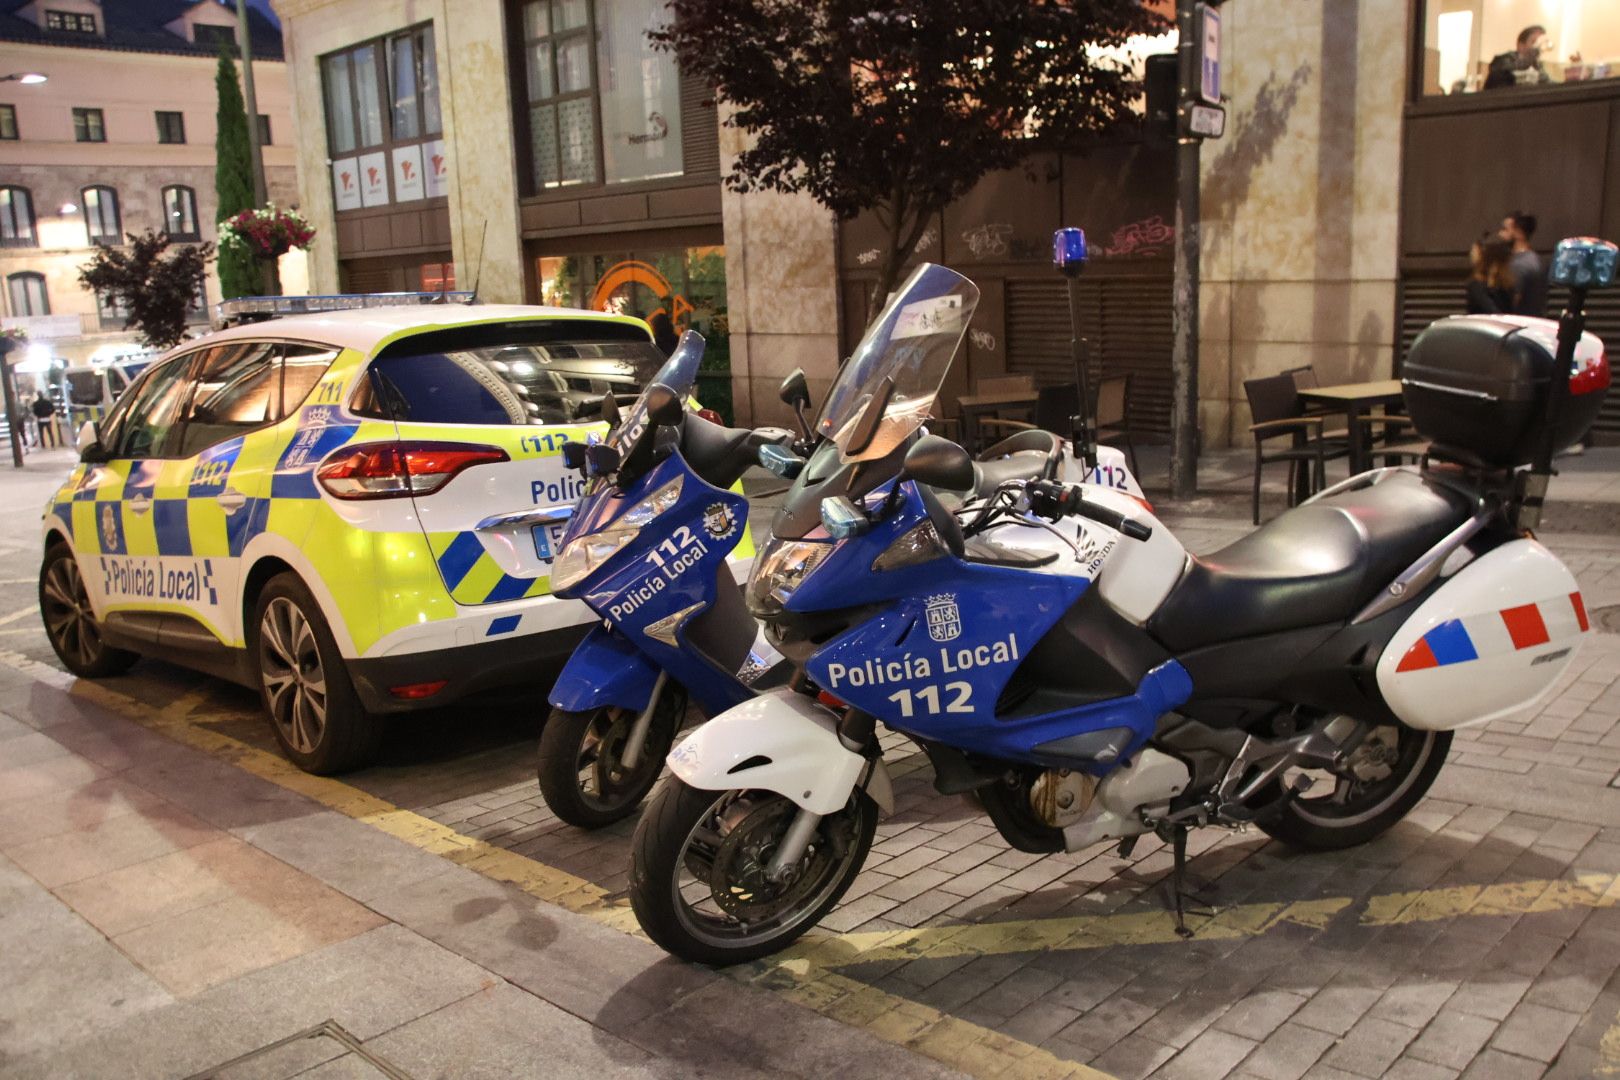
column 258, row 308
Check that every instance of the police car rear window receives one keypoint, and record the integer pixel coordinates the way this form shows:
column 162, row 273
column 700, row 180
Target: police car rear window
column 516, row 378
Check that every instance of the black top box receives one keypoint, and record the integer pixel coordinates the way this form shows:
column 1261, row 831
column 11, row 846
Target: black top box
column 1476, row 386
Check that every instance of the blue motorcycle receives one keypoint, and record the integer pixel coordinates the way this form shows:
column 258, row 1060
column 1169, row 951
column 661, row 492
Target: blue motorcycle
column 646, row 549
column 1055, row 651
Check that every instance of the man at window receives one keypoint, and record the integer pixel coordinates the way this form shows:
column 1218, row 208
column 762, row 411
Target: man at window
column 1522, row 66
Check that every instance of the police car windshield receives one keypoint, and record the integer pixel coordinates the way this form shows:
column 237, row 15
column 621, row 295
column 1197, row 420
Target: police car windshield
column 679, row 373
column 506, row 383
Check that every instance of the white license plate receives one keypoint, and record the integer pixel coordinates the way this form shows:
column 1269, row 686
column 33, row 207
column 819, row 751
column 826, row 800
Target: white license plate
column 547, row 540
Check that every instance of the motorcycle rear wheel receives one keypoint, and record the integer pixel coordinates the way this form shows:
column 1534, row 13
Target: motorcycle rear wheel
column 1365, row 803
column 696, row 866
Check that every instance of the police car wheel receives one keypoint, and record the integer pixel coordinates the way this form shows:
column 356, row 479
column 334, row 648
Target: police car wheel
column 71, row 626
column 314, row 712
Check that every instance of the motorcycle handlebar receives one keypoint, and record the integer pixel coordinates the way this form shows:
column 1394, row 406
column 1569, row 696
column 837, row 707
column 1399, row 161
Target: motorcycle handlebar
column 1061, row 501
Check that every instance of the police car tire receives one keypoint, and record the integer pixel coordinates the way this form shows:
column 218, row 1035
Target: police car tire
column 351, row 736
column 557, row 768
column 108, row 660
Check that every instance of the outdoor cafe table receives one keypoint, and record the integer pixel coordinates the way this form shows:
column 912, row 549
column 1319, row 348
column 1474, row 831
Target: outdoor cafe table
column 975, row 406
column 1356, row 401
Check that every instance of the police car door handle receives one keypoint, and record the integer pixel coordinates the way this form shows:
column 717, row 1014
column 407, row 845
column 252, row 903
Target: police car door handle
column 140, row 504
column 230, row 499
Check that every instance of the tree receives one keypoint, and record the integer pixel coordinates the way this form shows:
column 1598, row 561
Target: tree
column 239, row 272
column 900, row 106
column 153, row 286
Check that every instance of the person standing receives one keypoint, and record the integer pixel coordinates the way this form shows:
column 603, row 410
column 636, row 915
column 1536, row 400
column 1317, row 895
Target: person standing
column 1490, row 282
column 45, row 416
column 1529, row 275
column 1506, row 69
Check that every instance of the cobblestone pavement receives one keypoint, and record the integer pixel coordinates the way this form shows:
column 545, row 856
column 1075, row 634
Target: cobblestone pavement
column 1480, row 937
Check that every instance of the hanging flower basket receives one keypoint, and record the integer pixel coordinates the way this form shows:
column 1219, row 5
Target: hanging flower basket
column 268, row 233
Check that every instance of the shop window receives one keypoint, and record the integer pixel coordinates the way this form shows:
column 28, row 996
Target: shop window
column 8, row 122
column 101, row 220
column 180, row 213
column 89, row 126
column 438, row 277
column 1473, row 46
column 640, row 94
column 17, row 218
column 171, row 127
column 383, row 120
column 26, row 292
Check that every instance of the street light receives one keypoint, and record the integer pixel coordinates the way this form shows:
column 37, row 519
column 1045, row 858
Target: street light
column 27, row 78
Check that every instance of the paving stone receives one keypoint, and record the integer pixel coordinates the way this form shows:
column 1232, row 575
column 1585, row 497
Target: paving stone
column 1288, row 1052
column 1452, row 1039
column 1495, row 1065
column 1210, row 1056
column 1133, row 1058
column 1535, row 1032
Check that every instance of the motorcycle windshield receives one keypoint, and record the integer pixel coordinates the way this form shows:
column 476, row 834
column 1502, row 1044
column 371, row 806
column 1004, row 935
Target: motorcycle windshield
column 679, row 373
column 889, row 386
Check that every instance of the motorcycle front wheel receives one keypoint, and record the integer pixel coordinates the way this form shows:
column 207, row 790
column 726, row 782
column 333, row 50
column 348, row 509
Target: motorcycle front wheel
column 697, row 871
column 1381, row 780
column 581, row 768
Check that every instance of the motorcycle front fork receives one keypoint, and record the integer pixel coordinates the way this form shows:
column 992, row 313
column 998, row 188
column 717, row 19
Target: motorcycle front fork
column 637, row 739
column 858, row 732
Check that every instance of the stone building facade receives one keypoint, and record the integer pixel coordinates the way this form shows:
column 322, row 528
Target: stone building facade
column 119, row 138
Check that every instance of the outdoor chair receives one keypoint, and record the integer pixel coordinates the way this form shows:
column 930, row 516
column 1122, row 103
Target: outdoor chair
column 1277, row 414
column 1113, row 415
column 1388, row 426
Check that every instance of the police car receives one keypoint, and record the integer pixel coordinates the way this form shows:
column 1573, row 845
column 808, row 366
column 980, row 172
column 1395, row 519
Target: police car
column 342, row 509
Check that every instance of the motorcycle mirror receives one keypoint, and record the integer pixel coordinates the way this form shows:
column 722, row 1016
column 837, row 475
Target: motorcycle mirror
column 1069, row 251
column 939, row 463
column 795, row 392
column 663, row 405
column 573, row 455
column 601, row 459
column 842, row 518
column 610, row 410
column 1584, row 262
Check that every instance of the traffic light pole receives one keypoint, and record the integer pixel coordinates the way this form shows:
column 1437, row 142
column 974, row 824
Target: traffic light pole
column 244, row 45
column 1184, row 356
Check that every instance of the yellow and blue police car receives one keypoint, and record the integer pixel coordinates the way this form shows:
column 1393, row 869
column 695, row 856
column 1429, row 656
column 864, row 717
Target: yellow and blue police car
column 343, row 509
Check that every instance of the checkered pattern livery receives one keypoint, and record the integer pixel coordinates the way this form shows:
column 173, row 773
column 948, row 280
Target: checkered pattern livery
column 1498, row 633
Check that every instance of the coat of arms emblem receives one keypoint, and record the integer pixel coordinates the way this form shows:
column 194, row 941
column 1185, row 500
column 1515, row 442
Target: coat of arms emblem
column 718, row 521
column 109, row 528
column 944, row 620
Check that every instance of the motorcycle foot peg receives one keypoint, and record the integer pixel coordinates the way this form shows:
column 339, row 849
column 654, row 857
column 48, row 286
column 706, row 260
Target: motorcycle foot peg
column 1126, row 846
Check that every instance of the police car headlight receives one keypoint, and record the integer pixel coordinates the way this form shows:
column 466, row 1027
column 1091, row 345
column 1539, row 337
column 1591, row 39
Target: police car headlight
column 581, row 556
column 779, row 570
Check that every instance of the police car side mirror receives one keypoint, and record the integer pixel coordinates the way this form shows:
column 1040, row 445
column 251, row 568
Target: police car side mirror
column 88, row 444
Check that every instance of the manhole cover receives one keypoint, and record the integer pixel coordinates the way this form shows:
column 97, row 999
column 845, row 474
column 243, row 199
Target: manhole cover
column 1607, row 619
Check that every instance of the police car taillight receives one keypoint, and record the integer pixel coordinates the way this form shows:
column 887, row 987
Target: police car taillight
column 392, row 470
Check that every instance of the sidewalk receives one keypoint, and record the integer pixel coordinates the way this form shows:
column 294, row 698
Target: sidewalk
column 163, row 913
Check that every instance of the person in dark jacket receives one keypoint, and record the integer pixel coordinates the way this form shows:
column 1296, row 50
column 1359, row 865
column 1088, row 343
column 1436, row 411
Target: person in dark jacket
column 1525, row 57
column 1490, row 280
column 1529, row 275
column 45, row 416
column 664, row 333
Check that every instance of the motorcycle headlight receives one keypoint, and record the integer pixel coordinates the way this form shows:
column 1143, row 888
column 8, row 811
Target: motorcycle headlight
column 581, row 556
column 779, row 570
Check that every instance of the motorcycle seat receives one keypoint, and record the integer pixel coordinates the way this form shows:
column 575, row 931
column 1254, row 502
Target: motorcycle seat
column 1032, row 454
column 1317, row 563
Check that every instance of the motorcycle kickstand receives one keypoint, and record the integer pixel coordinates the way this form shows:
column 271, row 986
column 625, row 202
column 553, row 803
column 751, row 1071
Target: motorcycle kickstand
column 1177, row 884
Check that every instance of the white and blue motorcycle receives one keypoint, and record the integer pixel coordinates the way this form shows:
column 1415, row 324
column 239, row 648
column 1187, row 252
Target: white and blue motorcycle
column 1057, row 652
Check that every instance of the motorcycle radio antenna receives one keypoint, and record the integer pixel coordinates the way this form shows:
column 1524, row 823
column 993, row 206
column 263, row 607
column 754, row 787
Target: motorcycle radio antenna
column 478, row 267
column 1069, row 256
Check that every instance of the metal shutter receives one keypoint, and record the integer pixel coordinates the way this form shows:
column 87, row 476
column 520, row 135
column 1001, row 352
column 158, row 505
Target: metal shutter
column 1126, row 320
column 700, row 128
